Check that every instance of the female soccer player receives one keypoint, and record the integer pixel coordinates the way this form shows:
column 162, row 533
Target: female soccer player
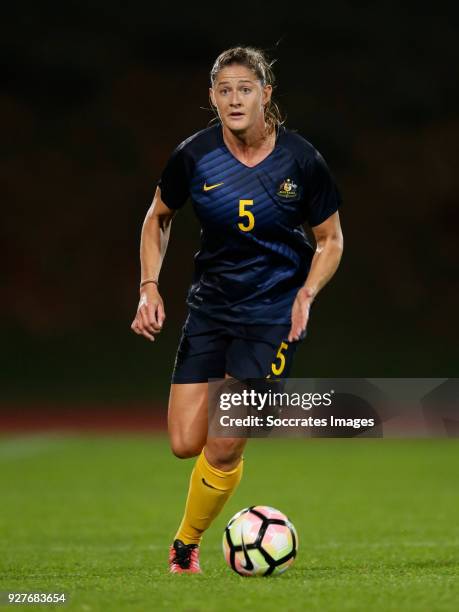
column 253, row 184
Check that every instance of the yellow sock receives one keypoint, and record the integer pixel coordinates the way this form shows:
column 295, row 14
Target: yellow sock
column 208, row 492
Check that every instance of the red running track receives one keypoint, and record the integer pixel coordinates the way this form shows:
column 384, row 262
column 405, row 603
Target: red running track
column 136, row 417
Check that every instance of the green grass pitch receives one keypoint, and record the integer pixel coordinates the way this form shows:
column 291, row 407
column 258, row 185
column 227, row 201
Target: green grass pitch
column 94, row 516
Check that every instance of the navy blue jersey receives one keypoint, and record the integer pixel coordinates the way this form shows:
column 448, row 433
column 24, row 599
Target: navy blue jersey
column 254, row 253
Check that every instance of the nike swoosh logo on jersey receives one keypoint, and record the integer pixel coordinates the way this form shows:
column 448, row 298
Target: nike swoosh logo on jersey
column 209, row 187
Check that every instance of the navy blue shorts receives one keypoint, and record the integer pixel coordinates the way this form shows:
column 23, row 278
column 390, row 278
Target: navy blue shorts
column 211, row 349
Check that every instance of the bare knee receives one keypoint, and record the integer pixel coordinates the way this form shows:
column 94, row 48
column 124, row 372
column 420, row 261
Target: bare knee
column 187, row 419
column 185, row 449
column 224, row 453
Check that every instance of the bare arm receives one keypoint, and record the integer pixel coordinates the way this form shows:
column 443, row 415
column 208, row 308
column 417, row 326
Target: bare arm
column 156, row 227
column 329, row 241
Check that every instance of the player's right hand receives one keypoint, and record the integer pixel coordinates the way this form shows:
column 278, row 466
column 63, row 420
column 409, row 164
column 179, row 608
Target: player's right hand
column 150, row 313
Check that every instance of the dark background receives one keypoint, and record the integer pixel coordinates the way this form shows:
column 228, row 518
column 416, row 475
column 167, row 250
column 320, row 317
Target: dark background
column 93, row 99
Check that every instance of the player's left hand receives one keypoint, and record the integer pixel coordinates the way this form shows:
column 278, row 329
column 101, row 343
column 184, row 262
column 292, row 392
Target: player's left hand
column 300, row 314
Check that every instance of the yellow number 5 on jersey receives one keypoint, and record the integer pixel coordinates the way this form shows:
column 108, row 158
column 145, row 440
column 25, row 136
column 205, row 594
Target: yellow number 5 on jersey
column 246, row 213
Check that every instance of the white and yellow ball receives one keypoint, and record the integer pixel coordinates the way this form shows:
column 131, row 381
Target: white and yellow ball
column 260, row 541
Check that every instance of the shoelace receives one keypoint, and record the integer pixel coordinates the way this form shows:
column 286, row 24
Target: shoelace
column 184, row 557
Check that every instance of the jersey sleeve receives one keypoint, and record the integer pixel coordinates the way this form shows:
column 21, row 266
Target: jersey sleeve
column 175, row 180
column 322, row 197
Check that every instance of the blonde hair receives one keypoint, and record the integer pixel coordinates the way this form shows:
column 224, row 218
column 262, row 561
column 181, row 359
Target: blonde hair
column 261, row 66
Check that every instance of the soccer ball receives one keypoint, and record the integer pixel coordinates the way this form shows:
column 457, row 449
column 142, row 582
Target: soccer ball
column 260, row 541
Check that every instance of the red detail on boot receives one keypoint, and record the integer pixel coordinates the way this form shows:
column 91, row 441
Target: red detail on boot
column 184, row 559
